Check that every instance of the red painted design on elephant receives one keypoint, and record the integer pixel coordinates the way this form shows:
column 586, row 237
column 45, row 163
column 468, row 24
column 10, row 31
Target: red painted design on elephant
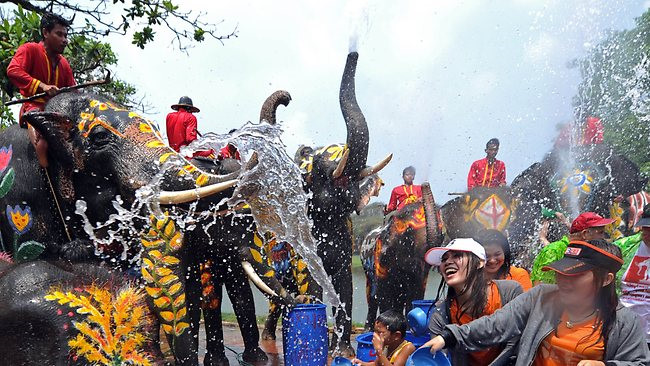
column 416, row 221
column 380, row 271
column 493, row 213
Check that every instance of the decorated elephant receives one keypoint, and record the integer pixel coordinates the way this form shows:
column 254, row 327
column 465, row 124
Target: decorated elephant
column 100, row 155
column 333, row 175
column 626, row 211
column 393, row 256
column 57, row 313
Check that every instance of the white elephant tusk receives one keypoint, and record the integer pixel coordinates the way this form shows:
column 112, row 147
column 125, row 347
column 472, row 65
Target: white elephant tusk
column 339, row 168
column 368, row 171
column 250, row 272
column 177, row 197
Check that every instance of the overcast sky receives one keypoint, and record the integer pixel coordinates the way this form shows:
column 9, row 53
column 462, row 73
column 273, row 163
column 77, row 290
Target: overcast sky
column 435, row 79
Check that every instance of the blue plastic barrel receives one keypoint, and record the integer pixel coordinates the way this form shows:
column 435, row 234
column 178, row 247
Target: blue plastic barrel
column 366, row 352
column 304, row 335
column 425, row 305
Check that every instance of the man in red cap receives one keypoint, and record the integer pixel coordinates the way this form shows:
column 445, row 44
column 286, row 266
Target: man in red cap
column 182, row 126
column 487, row 172
column 41, row 68
column 587, row 226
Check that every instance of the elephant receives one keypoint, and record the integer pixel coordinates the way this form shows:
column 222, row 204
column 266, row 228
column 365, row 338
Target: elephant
column 102, row 155
column 393, row 256
column 58, row 313
column 333, row 175
column 626, row 211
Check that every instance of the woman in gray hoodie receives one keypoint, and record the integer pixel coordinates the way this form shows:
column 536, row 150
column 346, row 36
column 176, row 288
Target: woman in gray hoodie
column 576, row 322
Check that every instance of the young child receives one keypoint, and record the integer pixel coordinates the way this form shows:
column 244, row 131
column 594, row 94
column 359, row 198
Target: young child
column 388, row 341
column 579, row 321
column 498, row 265
column 470, row 295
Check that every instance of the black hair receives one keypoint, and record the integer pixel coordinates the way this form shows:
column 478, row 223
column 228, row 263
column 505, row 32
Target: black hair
column 407, row 169
column 50, row 20
column 606, row 298
column 493, row 141
column 393, row 321
column 490, row 237
column 475, row 283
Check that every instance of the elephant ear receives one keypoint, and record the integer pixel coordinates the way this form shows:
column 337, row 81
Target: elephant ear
column 55, row 129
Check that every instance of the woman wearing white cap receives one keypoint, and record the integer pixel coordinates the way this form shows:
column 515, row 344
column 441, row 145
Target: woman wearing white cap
column 470, row 295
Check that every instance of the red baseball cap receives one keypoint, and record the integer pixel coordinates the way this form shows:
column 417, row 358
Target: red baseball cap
column 588, row 219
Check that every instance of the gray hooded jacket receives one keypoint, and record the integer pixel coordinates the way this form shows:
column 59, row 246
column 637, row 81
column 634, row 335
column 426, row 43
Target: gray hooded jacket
column 508, row 290
column 532, row 316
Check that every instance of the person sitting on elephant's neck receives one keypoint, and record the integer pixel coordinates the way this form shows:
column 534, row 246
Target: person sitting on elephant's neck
column 498, row 265
column 587, row 226
column 633, row 280
column 470, row 295
column 487, row 172
column 41, row 68
column 388, row 341
column 406, row 193
column 182, row 126
column 578, row 322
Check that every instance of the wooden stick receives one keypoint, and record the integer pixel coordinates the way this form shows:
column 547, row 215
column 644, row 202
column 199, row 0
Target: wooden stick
column 106, row 80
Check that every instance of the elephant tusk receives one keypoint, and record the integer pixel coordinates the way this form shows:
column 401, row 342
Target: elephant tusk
column 339, row 168
column 178, row 197
column 368, row 171
column 250, row 272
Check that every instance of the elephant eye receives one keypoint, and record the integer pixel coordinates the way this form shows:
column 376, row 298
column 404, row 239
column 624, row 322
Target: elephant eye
column 100, row 136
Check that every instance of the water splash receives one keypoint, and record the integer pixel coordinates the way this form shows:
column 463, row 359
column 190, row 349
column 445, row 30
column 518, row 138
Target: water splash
column 358, row 15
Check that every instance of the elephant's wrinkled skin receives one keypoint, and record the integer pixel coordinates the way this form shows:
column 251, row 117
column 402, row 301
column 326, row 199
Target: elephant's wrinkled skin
column 393, row 256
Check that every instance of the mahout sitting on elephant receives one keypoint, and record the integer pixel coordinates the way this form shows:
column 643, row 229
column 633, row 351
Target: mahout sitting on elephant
column 58, row 313
column 393, row 256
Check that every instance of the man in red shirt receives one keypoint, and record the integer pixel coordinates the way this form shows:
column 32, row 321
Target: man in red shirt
column 404, row 194
column 182, row 126
column 487, row 172
column 40, row 67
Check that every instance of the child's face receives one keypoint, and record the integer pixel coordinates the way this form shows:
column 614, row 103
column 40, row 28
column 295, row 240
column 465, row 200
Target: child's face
column 386, row 335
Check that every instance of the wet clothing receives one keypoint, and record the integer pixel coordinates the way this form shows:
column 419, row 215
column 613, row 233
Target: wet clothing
column 30, row 67
column 521, row 276
column 398, row 351
column 533, row 316
column 634, row 278
column 552, row 252
column 505, row 292
column 182, row 130
column 482, row 174
column 568, row 346
column 402, row 196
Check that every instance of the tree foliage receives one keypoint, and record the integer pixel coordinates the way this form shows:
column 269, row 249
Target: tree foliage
column 616, row 87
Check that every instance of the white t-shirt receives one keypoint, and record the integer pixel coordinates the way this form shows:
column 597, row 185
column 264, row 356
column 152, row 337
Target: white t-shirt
column 635, row 286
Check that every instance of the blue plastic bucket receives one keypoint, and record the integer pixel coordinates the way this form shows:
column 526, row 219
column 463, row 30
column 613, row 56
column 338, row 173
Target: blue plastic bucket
column 366, row 352
column 425, row 305
column 423, row 357
column 304, row 335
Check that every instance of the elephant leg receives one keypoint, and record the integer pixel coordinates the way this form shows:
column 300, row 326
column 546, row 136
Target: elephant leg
column 343, row 283
column 241, row 296
column 371, row 299
column 215, row 354
column 271, row 324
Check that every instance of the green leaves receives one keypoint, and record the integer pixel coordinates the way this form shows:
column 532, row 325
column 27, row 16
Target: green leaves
column 7, row 182
column 29, row 251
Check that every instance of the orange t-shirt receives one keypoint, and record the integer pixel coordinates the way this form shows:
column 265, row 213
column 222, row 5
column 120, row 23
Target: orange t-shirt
column 520, row 275
column 484, row 357
column 567, row 347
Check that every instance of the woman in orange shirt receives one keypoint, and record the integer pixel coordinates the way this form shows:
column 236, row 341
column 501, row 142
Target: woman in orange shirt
column 470, row 295
column 578, row 322
column 498, row 265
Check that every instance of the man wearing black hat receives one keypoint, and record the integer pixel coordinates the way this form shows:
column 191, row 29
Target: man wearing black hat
column 182, row 125
column 634, row 277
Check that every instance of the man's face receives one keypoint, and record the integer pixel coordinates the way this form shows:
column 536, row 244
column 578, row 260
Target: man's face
column 408, row 177
column 56, row 39
column 492, row 151
column 594, row 233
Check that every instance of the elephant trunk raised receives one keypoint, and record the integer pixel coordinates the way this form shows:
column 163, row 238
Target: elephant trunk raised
column 267, row 113
column 358, row 136
column 435, row 235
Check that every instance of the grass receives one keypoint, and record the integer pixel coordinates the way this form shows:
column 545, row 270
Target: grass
column 356, row 262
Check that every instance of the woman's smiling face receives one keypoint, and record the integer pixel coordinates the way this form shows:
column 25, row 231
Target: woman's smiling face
column 454, row 268
column 495, row 258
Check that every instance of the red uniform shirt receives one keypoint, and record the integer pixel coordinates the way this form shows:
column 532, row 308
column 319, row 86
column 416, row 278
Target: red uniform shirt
column 182, row 130
column 483, row 175
column 593, row 133
column 402, row 196
column 30, row 67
